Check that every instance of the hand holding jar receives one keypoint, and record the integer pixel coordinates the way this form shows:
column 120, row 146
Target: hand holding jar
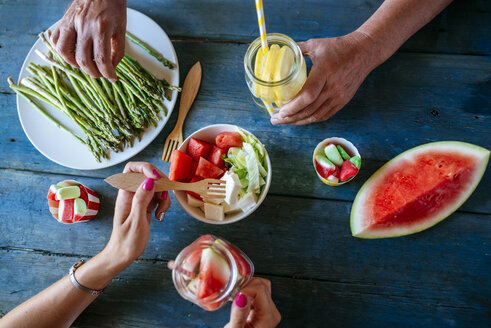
column 254, row 307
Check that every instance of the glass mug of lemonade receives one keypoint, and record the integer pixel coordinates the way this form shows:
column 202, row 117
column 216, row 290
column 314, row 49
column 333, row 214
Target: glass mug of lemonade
column 276, row 76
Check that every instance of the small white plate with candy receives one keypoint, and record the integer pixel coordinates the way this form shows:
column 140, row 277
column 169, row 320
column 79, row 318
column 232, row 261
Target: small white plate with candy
column 62, row 148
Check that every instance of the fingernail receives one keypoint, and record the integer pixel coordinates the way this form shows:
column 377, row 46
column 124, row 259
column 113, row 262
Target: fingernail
column 241, row 300
column 274, row 121
column 148, row 185
column 161, row 216
column 157, row 175
column 165, row 194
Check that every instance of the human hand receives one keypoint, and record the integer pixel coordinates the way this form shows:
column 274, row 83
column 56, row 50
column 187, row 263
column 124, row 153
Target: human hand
column 133, row 212
column 339, row 67
column 253, row 306
column 91, row 35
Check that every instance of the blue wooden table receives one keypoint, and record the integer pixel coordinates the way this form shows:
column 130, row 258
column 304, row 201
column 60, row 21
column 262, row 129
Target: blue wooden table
column 437, row 87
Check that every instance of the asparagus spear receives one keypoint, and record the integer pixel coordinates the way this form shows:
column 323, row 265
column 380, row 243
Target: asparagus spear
column 152, row 52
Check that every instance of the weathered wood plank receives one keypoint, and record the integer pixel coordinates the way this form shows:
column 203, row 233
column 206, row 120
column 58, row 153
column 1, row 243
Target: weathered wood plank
column 461, row 28
column 410, row 100
column 144, row 296
column 286, row 236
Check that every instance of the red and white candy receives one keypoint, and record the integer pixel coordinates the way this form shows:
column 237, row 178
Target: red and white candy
column 71, row 202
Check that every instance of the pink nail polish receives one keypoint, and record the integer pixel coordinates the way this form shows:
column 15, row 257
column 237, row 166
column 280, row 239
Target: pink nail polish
column 165, row 194
column 241, row 300
column 157, row 175
column 148, row 185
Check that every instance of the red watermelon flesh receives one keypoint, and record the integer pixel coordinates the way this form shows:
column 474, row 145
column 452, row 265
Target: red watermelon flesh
column 208, row 170
column 198, row 148
column 417, row 189
column 226, row 140
column 191, row 263
column 214, row 273
column 348, row 170
column 191, row 193
column 215, row 156
column 181, row 166
column 242, row 265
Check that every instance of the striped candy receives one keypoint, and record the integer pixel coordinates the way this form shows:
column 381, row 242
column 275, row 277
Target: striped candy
column 63, row 211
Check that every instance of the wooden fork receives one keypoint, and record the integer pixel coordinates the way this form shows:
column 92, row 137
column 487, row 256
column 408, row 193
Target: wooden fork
column 208, row 188
column 189, row 91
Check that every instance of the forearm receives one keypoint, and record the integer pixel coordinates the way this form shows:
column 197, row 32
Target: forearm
column 61, row 303
column 395, row 21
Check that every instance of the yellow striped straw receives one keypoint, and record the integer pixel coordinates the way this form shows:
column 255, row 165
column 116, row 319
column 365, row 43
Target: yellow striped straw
column 262, row 25
column 264, row 42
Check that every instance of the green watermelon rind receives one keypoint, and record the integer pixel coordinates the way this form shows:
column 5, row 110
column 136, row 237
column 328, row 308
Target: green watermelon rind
column 480, row 152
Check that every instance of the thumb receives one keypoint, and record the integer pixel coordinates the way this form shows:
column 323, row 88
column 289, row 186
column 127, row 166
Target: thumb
column 143, row 197
column 240, row 312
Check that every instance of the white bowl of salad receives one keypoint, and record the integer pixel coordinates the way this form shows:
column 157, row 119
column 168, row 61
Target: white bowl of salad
column 226, row 152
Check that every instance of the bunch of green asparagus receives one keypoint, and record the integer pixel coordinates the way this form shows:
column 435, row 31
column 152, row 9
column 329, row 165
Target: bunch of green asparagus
column 110, row 114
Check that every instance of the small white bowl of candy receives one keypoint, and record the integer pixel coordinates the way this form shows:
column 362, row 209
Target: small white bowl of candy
column 336, row 161
column 229, row 153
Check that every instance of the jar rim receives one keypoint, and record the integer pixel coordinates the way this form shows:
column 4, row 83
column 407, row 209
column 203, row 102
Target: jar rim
column 254, row 48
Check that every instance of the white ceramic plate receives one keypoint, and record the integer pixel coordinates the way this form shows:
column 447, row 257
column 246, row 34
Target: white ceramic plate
column 208, row 134
column 61, row 147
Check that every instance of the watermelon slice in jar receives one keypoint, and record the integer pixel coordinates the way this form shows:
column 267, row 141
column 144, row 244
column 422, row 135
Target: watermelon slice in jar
column 214, row 273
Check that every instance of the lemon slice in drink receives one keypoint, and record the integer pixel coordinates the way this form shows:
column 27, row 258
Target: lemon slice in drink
column 267, row 93
column 258, row 69
column 282, row 68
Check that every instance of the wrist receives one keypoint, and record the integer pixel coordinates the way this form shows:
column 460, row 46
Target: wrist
column 369, row 48
column 98, row 272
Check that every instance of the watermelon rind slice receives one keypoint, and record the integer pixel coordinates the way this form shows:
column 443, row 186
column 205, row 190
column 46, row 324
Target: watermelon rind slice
column 357, row 217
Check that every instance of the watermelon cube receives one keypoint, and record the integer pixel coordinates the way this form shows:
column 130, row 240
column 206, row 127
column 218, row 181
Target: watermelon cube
column 181, row 166
column 198, row 148
column 215, row 156
column 226, row 140
column 348, row 170
column 208, row 170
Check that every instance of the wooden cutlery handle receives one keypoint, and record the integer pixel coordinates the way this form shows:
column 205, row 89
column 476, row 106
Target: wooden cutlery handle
column 131, row 182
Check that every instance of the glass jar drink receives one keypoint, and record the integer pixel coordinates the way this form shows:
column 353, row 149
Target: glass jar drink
column 276, row 76
column 210, row 272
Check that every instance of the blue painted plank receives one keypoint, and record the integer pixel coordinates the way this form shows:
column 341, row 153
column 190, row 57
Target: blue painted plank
column 461, row 28
column 410, row 100
column 286, row 236
column 144, row 296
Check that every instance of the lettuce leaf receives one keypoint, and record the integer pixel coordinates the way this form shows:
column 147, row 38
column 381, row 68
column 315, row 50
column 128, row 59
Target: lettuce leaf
column 249, row 163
